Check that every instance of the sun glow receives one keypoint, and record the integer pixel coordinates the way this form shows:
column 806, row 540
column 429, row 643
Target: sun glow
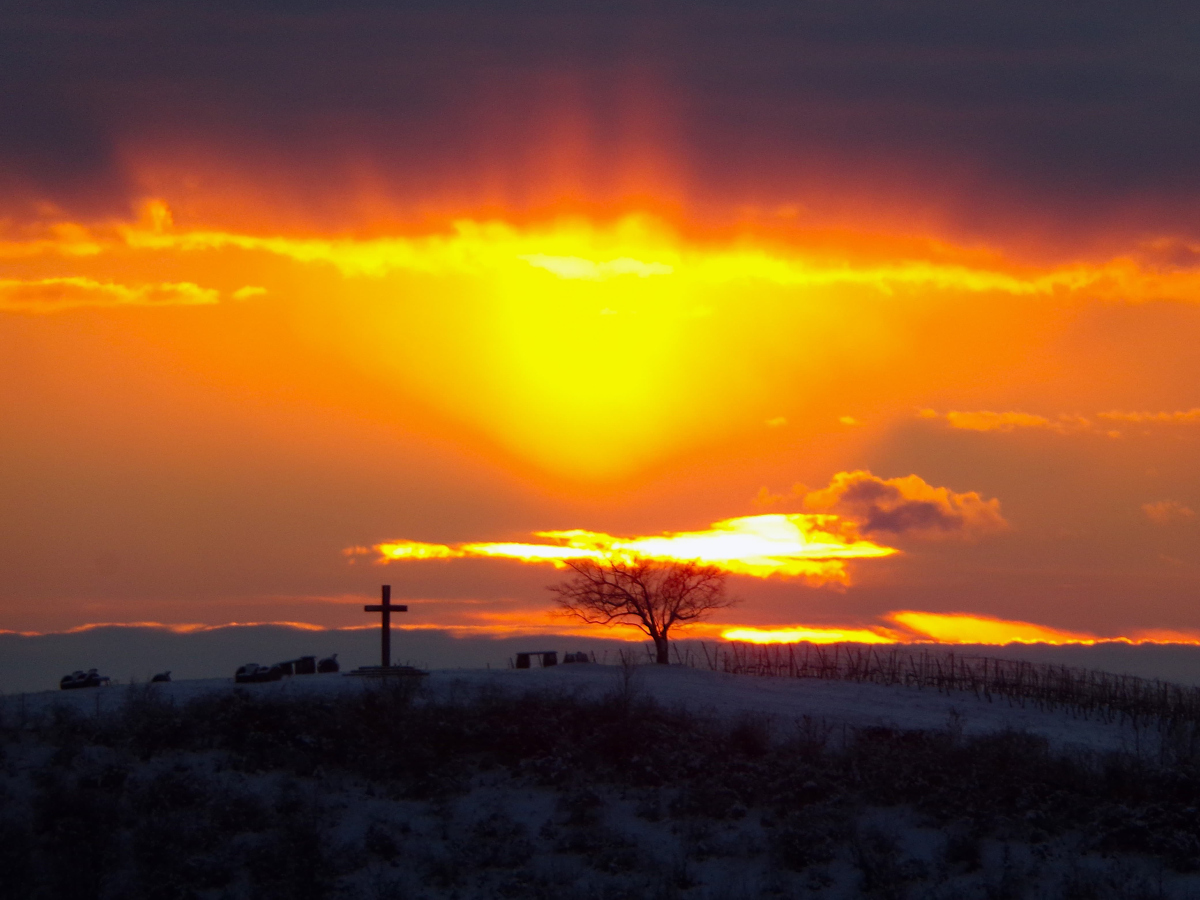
column 292, row 305
column 591, row 349
column 591, row 270
column 815, row 547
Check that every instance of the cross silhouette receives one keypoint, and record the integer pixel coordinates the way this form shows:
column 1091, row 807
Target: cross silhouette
column 386, row 609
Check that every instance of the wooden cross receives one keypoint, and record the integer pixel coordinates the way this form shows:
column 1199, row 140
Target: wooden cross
column 386, row 608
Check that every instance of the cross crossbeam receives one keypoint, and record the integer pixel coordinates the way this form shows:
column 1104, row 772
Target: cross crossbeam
column 385, row 608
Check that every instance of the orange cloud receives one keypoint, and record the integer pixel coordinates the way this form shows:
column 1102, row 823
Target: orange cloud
column 1063, row 423
column 984, row 420
column 906, row 505
column 48, row 295
column 814, row 547
column 184, row 627
column 1179, row 417
column 1165, row 512
column 59, row 238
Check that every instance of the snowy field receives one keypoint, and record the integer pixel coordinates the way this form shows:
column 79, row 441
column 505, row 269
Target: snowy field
column 589, row 781
column 785, row 701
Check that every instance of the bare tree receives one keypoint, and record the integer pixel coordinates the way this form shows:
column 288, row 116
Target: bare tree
column 655, row 595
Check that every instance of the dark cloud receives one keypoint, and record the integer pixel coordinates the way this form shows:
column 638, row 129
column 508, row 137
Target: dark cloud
column 1084, row 105
column 52, row 145
column 906, row 506
column 884, row 507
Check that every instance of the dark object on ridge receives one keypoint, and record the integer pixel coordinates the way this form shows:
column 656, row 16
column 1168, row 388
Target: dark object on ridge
column 251, row 673
column 304, row 665
column 328, row 664
column 546, row 657
column 80, row 679
column 161, row 676
column 580, row 657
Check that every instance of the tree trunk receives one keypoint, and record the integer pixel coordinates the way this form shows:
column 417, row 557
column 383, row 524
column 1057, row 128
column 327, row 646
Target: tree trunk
column 660, row 647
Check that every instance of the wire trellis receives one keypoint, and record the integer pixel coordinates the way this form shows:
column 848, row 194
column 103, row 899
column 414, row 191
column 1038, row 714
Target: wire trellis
column 1084, row 692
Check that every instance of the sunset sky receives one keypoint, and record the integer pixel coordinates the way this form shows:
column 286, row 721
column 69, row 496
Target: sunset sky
column 890, row 310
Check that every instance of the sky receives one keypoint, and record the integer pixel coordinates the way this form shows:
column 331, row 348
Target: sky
column 888, row 310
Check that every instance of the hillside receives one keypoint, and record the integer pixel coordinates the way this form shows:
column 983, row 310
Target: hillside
column 702, row 692
column 589, row 781
column 36, row 662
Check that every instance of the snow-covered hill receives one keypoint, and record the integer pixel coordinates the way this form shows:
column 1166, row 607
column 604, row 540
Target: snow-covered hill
column 585, row 780
column 784, row 700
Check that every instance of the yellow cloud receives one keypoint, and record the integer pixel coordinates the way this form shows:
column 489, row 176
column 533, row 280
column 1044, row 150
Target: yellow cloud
column 813, row 547
column 641, row 246
column 967, row 628
column 636, row 245
column 915, row 626
column 808, row 634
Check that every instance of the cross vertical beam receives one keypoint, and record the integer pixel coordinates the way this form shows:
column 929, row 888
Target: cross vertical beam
column 386, row 615
column 385, row 609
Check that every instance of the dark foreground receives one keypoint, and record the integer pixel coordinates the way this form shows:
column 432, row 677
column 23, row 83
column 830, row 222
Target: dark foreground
column 390, row 794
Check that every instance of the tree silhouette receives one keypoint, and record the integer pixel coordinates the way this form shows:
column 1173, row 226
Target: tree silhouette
column 654, row 595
